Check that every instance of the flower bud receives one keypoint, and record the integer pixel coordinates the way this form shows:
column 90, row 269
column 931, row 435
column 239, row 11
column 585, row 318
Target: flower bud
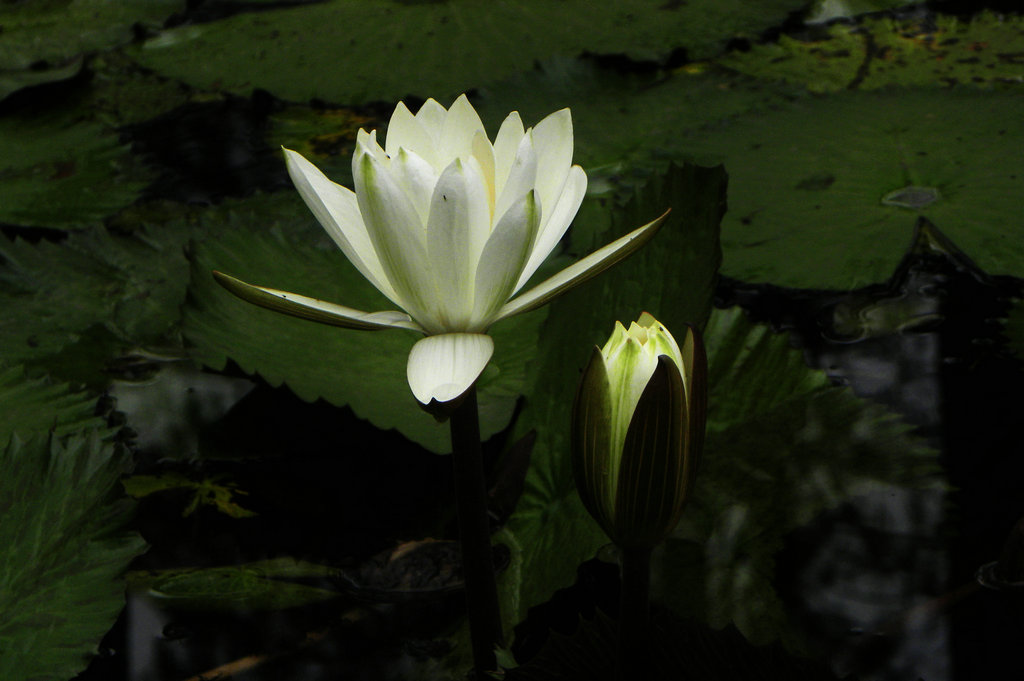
column 638, row 429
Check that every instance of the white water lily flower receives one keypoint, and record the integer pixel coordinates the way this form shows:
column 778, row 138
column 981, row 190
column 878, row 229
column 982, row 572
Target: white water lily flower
column 449, row 226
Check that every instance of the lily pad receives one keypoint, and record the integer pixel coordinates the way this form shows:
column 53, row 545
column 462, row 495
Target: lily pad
column 877, row 52
column 53, row 31
column 263, row 585
column 435, row 49
column 63, row 172
column 63, row 552
column 362, row 369
column 825, row 192
column 98, row 292
column 34, row 405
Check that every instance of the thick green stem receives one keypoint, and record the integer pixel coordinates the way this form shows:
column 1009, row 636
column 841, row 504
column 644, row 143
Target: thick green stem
column 634, row 616
column 475, row 535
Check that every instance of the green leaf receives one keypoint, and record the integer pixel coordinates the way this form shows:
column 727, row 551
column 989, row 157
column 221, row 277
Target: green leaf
column 90, row 297
column 389, row 49
column 210, row 491
column 53, row 31
column 261, row 585
column 880, row 51
column 550, row 523
column 808, row 182
column 362, row 369
column 62, row 553
column 34, row 406
column 63, row 172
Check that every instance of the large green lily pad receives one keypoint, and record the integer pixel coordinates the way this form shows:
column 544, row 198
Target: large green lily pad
column 881, row 51
column 362, row 369
column 98, row 293
column 262, row 585
column 389, row 49
column 63, row 172
column 53, row 31
column 63, row 551
column 825, row 192
column 35, row 405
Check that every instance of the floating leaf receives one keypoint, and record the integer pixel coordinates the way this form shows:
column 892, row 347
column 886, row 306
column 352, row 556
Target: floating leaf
column 63, row 552
column 261, row 585
column 52, row 31
column 881, row 51
column 34, row 406
column 12, row 81
column 362, row 369
column 62, row 172
column 810, row 183
column 388, row 49
column 90, row 296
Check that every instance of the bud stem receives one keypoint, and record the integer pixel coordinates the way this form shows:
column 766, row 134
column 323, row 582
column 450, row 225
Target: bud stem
column 475, row 535
column 634, row 615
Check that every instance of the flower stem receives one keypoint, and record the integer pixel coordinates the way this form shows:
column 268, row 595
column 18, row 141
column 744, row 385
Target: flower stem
column 475, row 535
column 634, row 615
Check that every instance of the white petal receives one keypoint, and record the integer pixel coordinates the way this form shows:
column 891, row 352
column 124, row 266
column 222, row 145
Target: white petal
column 337, row 210
column 521, row 177
column 483, row 152
column 417, row 177
column 457, row 229
column 432, row 116
column 582, row 270
column 313, row 308
column 503, row 259
column 556, row 220
column 552, row 141
column 444, row 367
column 460, row 127
column 366, row 143
column 505, row 146
column 397, row 234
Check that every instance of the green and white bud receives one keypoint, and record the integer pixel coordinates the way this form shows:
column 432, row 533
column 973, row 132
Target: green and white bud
column 638, row 429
